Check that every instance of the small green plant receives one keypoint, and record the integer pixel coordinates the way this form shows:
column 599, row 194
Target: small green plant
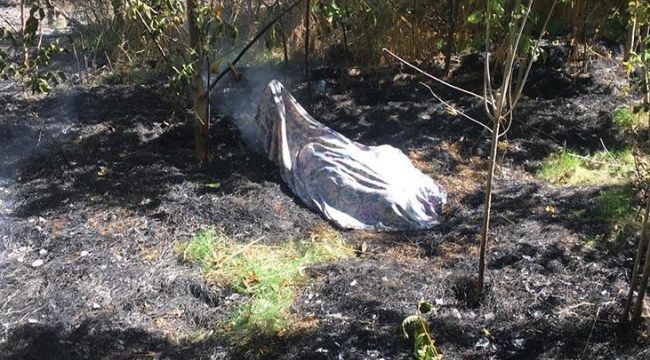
column 268, row 274
column 202, row 246
column 24, row 54
column 424, row 347
column 616, row 207
column 602, row 167
column 629, row 120
column 615, row 204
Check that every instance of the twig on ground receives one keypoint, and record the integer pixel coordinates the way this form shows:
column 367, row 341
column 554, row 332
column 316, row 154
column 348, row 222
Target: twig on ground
column 605, row 147
column 567, row 309
column 590, row 333
column 506, row 219
column 594, row 160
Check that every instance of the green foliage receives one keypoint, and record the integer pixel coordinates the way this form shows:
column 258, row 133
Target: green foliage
column 629, row 120
column 418, row 327
column 616, row 207
column 602, row 167
column 268, row 274
column 615, row 204
column 24, row 57
column 202, row 246
column 150, row 37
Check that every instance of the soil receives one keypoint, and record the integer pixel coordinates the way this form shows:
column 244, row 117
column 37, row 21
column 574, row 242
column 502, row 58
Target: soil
column 98, row 184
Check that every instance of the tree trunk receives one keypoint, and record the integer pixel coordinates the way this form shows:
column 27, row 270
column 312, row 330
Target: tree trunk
column 643, row 286
column 637, row 262
column 346, row 51
column 631, row 31
column 307, row 16
column 414, row 20
column 201, row 119
column 199, row 90
column 646, row 74
column 452, row 10
column 578, row 9
column 23, row 34
column 487, row 207
column 285, row 47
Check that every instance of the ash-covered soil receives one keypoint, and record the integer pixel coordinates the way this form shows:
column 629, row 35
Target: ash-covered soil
column 97, row 184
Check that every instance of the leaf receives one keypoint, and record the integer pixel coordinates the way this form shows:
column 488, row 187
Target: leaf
column 475, row 17
column 103, row 171
column 408, row 322
column 215, row 67
column 486, row 332
column 423, row 348
column 214, row 185
column 550, row 210
column 451, row 111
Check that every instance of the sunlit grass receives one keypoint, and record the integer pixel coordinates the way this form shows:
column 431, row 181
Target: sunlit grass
column 602, row 167
column 269, row 274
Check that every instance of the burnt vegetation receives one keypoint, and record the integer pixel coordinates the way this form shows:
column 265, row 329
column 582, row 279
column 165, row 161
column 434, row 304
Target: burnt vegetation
column 136, row 223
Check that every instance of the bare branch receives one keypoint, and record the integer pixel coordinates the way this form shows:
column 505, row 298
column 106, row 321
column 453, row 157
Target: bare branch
column 433, row 77
column 455, row 109
column 505, row 131
column 515, row 38
column 487, row 78
column 520, row 86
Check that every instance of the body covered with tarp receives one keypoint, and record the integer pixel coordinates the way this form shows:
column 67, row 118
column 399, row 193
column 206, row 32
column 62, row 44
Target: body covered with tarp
column 355, row 186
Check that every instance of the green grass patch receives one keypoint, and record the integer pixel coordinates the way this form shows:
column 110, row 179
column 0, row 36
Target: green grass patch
column 615, row 204
column 627, row 120
column 602, row 167
column 616, row 208
column 269, row 274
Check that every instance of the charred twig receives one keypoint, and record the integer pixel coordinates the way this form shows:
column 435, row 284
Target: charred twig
column 590, row 333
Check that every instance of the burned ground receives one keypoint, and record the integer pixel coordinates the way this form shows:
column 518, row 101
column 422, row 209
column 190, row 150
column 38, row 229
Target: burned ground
column 99, row 184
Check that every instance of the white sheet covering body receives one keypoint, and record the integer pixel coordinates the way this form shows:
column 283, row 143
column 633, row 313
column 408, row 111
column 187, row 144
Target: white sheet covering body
column 355, row 186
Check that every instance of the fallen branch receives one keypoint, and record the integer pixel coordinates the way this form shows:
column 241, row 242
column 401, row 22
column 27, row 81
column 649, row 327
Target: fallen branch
column 595, row 161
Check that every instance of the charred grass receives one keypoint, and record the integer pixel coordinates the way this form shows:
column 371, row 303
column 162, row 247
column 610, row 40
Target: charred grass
column 551, row 294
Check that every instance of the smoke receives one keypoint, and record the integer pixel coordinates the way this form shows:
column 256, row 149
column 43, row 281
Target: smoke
column 238, row 101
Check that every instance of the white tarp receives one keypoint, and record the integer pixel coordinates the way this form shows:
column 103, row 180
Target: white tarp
column 355, row 186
